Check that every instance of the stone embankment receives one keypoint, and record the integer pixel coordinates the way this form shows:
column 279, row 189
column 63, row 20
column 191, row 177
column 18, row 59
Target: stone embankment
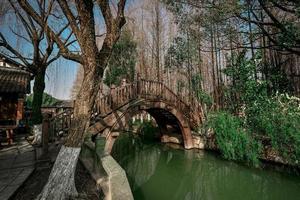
column 199, row 142
column 108, row 174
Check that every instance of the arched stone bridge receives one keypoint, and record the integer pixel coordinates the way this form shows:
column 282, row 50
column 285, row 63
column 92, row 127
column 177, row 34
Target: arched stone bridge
column 111, row 113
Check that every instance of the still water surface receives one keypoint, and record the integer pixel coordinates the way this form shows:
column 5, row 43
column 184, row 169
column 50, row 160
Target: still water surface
column 159, row 172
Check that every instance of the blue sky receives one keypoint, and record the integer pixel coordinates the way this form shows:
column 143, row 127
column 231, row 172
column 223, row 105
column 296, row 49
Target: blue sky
column 61, row 74
column 60, row 78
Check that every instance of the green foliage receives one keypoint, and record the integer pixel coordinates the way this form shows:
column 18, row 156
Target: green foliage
column 48, row 100
column 290, row 34
column 278, row 118
column 234, row 142
column 244, row 88
column 266, row 112
column 277, row 80
column 149, row 131
column 181, row 53
column 201, row 95
column 123, row 59
column 255, row 82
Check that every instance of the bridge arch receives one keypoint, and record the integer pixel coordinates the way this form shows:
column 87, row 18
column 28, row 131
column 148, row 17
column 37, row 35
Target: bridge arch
column 163, row 113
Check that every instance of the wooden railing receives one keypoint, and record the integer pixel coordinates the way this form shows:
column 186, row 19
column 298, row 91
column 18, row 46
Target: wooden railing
column 140, row 89
column 191, row 108
column 60, row 124
column 145, row 89
column 116, row 98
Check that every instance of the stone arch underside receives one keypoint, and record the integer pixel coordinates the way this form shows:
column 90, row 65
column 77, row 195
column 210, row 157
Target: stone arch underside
column 163, row 113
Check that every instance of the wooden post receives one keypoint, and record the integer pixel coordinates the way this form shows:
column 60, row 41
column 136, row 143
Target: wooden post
column 20, row 107
column 9, row 135
column 112, row 94
column 45, row 134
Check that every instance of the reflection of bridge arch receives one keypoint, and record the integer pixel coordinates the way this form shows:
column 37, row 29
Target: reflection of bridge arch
column 164, row 114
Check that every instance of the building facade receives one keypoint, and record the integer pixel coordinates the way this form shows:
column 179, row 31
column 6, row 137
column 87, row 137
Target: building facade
column 14, row 85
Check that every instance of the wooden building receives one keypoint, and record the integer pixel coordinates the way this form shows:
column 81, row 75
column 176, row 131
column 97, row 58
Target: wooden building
column 14, row 85
column 58, row 108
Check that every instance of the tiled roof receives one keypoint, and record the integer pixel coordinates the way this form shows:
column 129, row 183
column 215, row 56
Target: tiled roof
column 65, row 104
column 14, row 80
column 9, row 61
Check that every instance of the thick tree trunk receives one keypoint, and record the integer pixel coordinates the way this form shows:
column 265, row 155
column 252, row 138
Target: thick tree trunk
column 38, row 91
column 61, row 182
column 83, row 107
column 215, row 102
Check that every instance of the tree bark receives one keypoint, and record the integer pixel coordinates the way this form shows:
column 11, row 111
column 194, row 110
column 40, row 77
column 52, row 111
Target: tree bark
column 38, row 91
column 61, row 184
column 213, row 68
column 84, row 104
column 157, row 39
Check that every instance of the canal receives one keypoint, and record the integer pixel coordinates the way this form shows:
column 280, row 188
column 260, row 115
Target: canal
column 161, row 172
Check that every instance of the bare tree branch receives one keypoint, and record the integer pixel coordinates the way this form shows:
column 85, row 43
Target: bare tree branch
column 64, row 51
column 70, row 17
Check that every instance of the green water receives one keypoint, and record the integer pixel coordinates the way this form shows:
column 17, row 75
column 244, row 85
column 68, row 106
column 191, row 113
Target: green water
column 159, row 172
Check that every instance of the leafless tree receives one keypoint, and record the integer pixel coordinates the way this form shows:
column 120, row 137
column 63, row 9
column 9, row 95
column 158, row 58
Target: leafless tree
column 42, row 48
column 80, row 17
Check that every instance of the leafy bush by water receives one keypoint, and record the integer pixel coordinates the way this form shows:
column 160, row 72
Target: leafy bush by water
column 262, row 108
column 149, row 131
column 278, row 118
column 234, row 142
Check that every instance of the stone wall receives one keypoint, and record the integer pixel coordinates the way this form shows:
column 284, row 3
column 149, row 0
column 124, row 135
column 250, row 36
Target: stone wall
column 199, row 142
column 107, row 173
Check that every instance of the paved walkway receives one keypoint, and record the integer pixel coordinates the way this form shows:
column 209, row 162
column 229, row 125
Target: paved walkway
column 16, row 164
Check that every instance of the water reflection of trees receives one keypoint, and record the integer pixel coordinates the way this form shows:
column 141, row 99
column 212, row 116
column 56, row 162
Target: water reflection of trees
column 138, row 160
column 165, row 173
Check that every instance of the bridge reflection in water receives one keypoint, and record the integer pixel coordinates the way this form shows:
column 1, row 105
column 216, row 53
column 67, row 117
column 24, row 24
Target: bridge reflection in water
column 158, row 172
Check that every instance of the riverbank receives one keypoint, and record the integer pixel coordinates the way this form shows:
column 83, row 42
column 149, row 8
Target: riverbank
column 268, row 156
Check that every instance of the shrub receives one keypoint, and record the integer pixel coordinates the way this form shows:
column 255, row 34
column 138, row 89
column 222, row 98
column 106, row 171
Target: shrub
column 278, row 118
column 267, row 113
column 234, row 142
column 149, row 131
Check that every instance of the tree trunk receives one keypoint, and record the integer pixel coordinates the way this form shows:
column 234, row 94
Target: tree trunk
column 83, row 106
column 61, row 182
column 38, row 91
column 213, row 68
column 157, row 39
